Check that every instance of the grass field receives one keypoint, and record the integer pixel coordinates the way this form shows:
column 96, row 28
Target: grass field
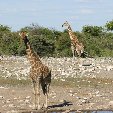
column 63, row 82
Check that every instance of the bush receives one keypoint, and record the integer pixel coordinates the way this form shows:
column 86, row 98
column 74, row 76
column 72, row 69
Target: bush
column 49, row 42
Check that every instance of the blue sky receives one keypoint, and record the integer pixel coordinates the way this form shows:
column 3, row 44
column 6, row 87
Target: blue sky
column 52, row 13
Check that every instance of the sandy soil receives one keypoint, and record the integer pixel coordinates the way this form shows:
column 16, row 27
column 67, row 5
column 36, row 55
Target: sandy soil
column 76, row 93
column 63, row 98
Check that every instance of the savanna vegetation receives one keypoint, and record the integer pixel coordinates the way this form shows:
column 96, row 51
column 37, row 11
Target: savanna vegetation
column 98, row 41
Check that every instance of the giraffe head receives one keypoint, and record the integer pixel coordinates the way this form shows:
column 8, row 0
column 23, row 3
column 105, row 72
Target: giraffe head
column 66, row 24
column 23, row 36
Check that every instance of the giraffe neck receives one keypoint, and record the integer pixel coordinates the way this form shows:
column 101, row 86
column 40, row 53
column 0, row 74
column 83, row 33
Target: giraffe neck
column 73, row 38
column 70, row 32
column 31, row 55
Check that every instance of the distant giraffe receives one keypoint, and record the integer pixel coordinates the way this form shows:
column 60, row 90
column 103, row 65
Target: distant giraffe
column 39, row 73
column 76, row 46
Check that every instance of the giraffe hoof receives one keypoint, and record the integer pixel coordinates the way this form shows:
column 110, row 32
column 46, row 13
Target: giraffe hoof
column 39, row 107
column 44, row 106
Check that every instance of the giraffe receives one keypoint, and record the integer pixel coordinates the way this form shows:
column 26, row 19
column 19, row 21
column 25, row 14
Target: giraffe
column 39, row 73
column 76, row 46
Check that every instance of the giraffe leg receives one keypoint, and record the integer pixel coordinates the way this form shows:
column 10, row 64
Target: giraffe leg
column 38, row 93
column 46, row 104
column 73, row 51
column 36, row 85
column 35, row 93
column 35, row 100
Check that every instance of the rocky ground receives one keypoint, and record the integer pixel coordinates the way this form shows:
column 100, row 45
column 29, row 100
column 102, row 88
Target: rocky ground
column 77, row 84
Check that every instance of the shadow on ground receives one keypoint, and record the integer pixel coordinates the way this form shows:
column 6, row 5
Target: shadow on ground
column 60, row 105
column 49, row 109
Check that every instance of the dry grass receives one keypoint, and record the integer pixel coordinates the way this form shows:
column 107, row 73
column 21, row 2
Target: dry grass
column 63, row 82
column 83, row 82
column 14, row 82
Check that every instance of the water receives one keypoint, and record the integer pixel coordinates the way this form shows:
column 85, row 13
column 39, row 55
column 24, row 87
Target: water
column 101, row 112
column 86, row 112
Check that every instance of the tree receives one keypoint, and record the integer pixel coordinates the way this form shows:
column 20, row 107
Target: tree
column 5, row 39
column 42, row 39
column 92, row 30
column 63, row 45
column 109, row 25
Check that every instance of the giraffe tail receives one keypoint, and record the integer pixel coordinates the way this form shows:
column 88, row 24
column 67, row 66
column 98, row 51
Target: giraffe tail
column 46, row 83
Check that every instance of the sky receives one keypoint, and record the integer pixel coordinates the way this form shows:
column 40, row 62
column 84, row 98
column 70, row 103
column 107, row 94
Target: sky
column 53, row 13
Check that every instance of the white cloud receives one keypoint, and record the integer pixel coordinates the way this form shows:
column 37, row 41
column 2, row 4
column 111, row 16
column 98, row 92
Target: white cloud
column 88, row 1
column 17, row 10
column 109, row 11
column 83, row 1
column 74, row 17
column 86, row 11
column 8, row 10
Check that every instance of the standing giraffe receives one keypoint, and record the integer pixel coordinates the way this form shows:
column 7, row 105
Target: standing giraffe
column 39, row 73
column 76, row 46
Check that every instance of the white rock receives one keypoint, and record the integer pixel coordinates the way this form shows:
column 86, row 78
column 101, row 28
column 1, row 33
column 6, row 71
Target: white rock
column 11, row 105
column 110, row 103
column 1, row 97
column 108, row 68
column 28, row 97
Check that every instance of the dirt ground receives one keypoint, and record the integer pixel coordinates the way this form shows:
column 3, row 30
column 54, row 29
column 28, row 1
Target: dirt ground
column 95, row 95
column 67, row 93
